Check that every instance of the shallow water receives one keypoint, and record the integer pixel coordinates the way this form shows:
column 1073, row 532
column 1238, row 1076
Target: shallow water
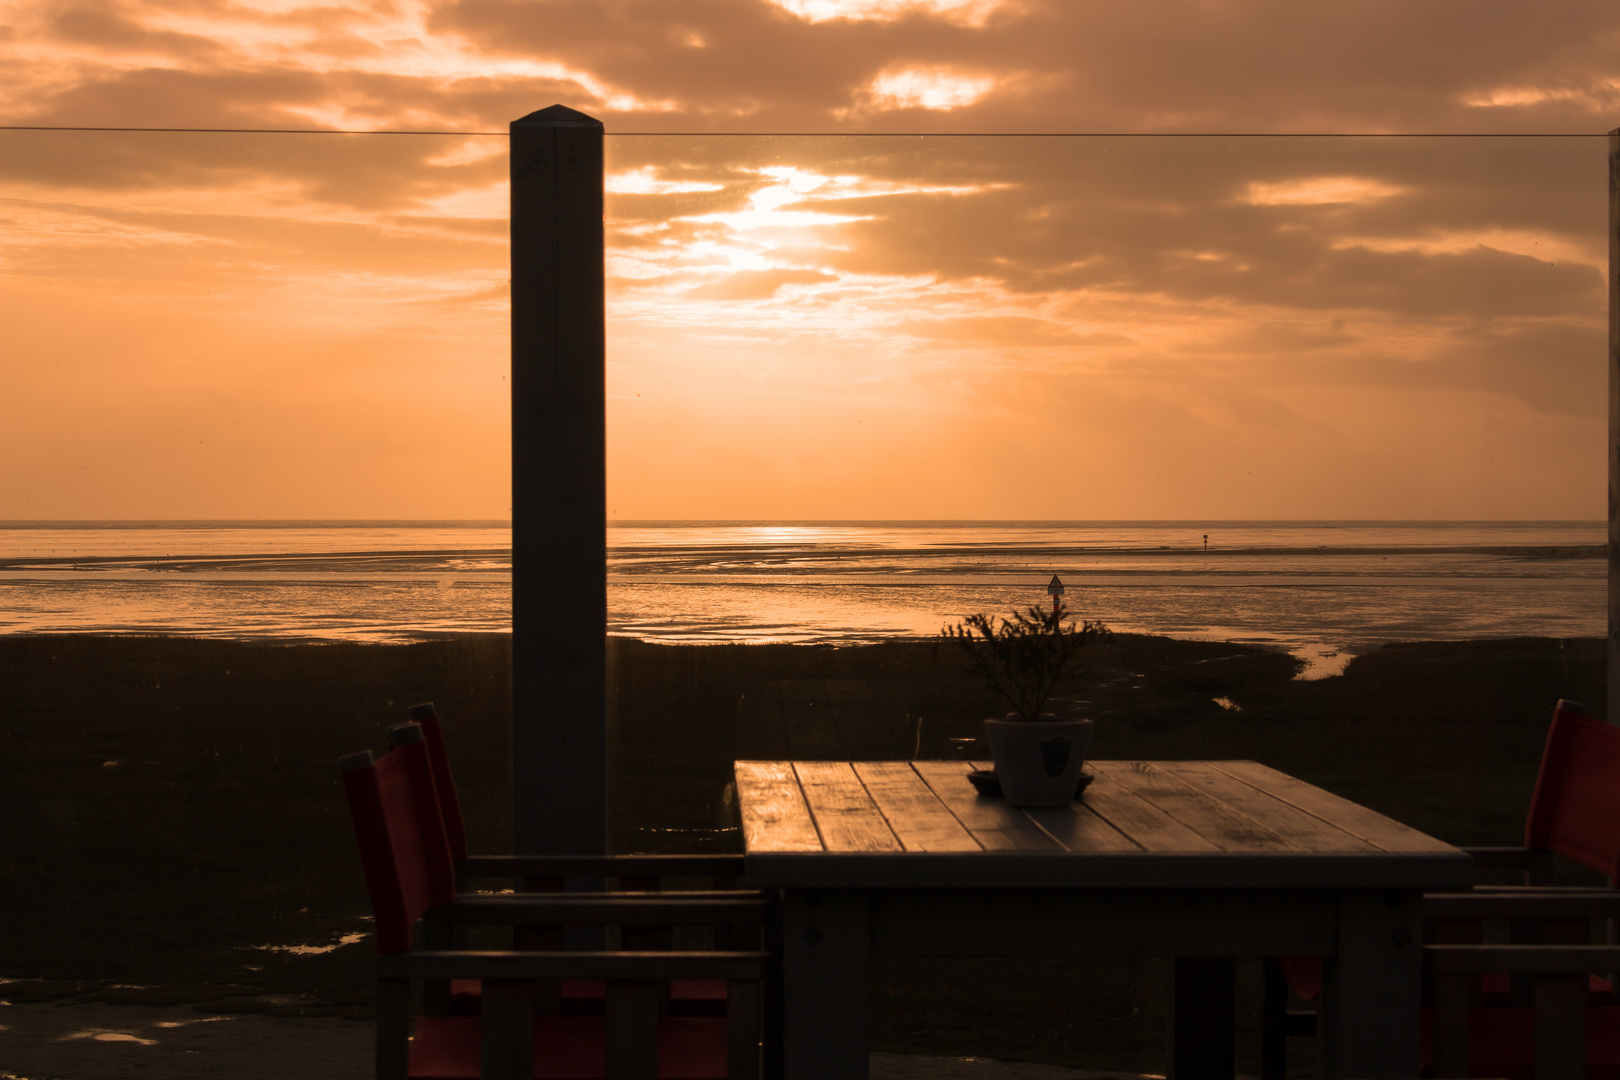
column 1319, row 590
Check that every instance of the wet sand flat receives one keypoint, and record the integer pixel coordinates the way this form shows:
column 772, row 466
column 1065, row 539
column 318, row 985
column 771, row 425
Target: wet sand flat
column 182, row 841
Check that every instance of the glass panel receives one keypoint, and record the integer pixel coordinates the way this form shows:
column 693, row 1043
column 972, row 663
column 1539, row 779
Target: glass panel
column 1315, row 424
column 272, row 370
column 1306, row 395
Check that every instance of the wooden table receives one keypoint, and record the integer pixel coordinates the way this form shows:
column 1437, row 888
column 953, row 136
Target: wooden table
column 1199, row 860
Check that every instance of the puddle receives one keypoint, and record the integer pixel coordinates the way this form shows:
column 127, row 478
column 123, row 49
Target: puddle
column 104, row 1035
column 312, row 950
column 188, row 1023
column 1228, row 704
column 1321, row 661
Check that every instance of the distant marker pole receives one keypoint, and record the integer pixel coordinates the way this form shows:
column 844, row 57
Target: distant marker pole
column 1054, row 589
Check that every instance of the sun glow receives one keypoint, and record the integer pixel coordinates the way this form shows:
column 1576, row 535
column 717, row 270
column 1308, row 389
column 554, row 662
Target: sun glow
column 780, row 244
column 1319, row 191
column 645, row 181
column 974, row 13
column 927, row 88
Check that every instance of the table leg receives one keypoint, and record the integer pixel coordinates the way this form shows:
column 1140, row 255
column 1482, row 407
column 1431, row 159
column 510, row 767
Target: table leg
column 1372, row 990
column 826, row 944
column 1203, row 1018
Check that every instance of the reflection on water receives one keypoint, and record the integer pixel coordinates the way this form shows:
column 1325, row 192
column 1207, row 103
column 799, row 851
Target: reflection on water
column 1319, row 590
column 314, row 950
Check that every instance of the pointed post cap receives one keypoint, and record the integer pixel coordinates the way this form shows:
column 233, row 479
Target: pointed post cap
column 557, row 116
column 1054, row 587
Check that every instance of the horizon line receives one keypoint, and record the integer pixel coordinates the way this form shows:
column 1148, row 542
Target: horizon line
column 610, row 522
column 868, row 134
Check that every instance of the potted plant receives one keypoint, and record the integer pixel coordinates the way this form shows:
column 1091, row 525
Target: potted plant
column 1038, row 755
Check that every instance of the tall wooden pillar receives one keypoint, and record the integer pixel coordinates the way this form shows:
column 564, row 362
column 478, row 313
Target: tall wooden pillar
column 559, row 500
column 1613, row 695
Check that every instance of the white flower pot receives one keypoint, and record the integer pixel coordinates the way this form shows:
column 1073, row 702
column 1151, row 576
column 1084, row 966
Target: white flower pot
column 1038, row 764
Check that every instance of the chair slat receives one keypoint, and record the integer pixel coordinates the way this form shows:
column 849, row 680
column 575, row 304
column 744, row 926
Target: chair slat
column 1452, row 996
column 576, row 909
column 1548, row 904
column 632, row 1029
column 493, row 964
column 1560, row 1002
column 1534, row 959
column 506, row 1026
column 744, row 1005
column 516, row 866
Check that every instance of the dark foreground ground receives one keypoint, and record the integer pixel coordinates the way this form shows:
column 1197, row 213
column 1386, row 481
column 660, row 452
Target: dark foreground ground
column 176, row 834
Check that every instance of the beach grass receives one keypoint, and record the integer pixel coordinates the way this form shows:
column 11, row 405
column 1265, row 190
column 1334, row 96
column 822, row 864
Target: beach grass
column 177, row 825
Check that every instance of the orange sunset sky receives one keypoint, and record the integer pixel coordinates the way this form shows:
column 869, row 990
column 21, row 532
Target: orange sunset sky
column 979, row 283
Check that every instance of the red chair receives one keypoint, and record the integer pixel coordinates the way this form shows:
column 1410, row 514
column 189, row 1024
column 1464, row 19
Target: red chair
column 1574, row 813
column 1561, row 1034
column 548, row 874
column 409, row 872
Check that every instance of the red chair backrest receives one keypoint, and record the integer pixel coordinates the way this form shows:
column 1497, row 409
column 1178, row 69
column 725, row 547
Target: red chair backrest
column 402, row 842
column 449, row 803
column 1575, row 810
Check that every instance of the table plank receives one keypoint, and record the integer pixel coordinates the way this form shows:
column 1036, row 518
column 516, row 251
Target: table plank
column 845, row 815
column 1079, row 829
column 1310, row 831
column 1373, row 827
column 1138, row 819
column 775, row 816
column 994, row 824
column 913, row 811
column 1228, row 829
column 1076, row 827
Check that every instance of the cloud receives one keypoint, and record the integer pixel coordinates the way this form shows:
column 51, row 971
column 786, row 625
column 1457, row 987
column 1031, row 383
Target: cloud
column 756, row 284
column 1318, row 191
column 1340, row 315
column 822, row 65
column 960, row 12
column 934, row 88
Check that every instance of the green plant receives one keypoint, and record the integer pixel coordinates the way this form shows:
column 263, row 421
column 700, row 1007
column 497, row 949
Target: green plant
column 1024, row 657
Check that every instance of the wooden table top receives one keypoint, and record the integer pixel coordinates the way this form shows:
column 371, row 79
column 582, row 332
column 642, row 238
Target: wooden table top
column 1139, row 824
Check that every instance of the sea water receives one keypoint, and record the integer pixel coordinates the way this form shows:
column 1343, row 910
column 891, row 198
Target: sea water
column 1321, row 590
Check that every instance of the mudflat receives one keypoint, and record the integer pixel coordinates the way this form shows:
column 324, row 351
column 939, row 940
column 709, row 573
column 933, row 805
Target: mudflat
column 179, row 841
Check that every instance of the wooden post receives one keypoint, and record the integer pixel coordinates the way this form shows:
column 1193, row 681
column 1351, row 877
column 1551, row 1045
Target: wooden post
column 1613, row 713
column 559, row 499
